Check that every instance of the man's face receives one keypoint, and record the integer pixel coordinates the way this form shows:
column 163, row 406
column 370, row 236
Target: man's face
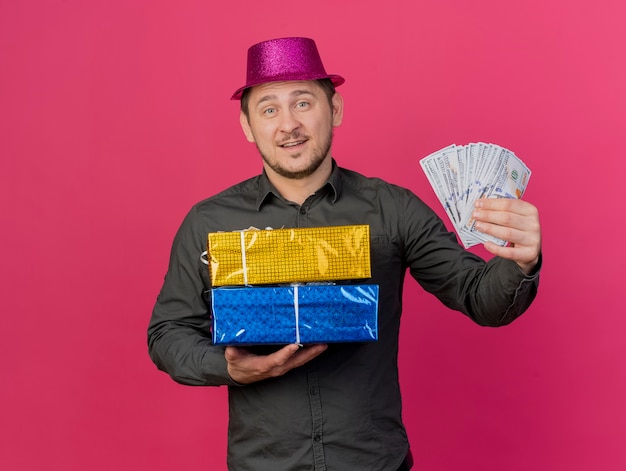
column 291, row 124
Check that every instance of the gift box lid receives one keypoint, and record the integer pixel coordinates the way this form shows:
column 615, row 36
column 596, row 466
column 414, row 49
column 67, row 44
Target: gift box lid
column 295, row 255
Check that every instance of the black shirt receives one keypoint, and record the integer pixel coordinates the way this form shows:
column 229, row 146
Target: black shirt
column 341, row 411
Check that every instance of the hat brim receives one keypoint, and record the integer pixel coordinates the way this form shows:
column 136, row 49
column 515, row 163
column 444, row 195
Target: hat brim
column 335, row 79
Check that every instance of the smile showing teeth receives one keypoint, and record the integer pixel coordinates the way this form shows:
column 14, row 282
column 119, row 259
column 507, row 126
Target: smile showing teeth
column 292, row 144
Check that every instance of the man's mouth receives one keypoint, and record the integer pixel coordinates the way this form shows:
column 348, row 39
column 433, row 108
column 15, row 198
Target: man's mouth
column 287, row 145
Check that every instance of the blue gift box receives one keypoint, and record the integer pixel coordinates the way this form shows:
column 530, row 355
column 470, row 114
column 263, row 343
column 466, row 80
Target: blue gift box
column 295, row 314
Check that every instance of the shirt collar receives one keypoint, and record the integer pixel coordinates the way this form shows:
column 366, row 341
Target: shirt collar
column 266, row 188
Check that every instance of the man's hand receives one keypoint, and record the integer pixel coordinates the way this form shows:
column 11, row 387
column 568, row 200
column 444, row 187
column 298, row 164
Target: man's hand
column 245, row 367
column 515, row 221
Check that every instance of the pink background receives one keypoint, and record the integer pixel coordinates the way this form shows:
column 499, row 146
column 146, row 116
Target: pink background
column 115, row 118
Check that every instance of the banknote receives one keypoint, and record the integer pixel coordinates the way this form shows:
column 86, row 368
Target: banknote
column 461, row 174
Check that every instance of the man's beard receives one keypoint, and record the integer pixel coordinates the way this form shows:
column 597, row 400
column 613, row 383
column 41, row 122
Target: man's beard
column 318, row 157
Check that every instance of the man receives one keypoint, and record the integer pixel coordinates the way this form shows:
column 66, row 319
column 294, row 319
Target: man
column 334, row 407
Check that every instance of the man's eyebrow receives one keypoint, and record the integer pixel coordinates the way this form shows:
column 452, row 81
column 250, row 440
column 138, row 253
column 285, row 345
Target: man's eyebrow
column 301, row 92
column 294, row 93
column 265, row 98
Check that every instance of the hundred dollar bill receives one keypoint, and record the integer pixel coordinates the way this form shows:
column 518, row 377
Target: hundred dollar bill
column 460, row 175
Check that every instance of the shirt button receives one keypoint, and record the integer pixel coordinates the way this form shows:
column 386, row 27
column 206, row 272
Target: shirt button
column 317, row 438
column 302, row 211
column 313, row 391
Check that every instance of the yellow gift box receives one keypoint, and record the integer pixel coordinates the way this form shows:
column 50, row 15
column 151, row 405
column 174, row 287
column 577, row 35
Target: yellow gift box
column 297, row 255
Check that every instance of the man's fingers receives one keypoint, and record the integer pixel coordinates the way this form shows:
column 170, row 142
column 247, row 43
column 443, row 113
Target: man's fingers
column 293, row 356
column 306, row 354
column 509, row 219
column 245, row 367
column 515, row 221
column 512, row 205
column 235, row 353
column 283, row 355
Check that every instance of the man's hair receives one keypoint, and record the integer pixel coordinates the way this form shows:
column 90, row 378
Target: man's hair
column 326, row 84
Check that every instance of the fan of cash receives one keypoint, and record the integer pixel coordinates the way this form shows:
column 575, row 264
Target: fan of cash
column 460, row 175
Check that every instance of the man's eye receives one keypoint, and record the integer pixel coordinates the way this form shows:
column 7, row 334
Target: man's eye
column 269, row 111
column 302, row 104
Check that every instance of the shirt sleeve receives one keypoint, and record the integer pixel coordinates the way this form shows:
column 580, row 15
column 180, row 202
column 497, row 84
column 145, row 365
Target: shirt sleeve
column 179, row 338
column 492, row 293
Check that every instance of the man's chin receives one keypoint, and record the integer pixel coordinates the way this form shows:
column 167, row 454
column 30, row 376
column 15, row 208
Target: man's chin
column 296, row 172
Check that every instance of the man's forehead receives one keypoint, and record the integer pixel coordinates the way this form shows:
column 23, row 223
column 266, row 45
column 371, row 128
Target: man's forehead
column 273, row 90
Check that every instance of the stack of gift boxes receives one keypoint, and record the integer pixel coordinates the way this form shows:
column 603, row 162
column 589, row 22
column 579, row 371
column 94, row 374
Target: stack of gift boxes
column 280, row 286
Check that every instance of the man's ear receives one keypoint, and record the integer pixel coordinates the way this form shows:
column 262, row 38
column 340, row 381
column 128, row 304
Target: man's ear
column 337, row 101
column 245, row 126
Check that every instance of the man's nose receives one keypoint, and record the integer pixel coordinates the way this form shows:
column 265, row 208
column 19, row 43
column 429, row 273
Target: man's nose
column 289, row 121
